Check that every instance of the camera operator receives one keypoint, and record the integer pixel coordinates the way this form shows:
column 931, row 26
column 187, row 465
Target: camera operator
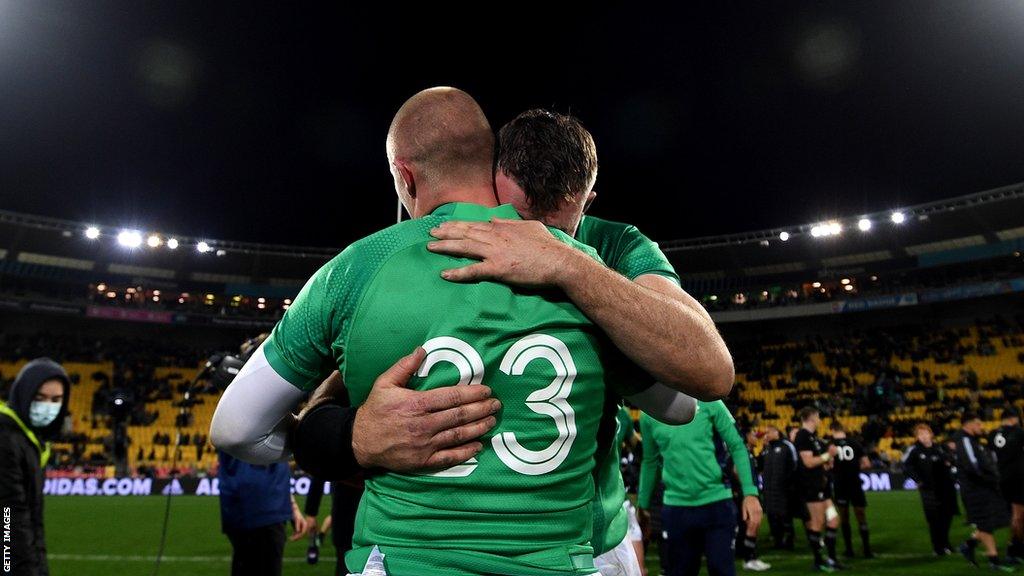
column 255, row 500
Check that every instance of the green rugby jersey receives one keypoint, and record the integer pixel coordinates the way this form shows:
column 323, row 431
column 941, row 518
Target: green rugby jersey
column 523, row 506
column 632, row 254
column 624, row 248
column 686, row 454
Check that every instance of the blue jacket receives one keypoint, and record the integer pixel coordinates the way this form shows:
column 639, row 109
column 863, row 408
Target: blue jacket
column 253, row 496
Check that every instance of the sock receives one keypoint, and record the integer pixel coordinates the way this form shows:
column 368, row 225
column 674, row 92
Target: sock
column 865, row 538
column 1016, row 548
column 993, row 560
column 972, row 543
column 847, row 537
column 749, row 548
column 830, row 542
column 814, row 539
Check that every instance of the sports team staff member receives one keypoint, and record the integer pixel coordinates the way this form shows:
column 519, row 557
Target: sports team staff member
column 815, row 461
column 849, row 490
column 930, row 465
column 33, row 413
column 1007, row 442
column 698, row 515
column 780, row 468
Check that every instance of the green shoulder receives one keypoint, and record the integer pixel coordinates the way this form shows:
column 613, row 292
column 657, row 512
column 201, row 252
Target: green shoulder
column 306, row 344
column 624, row 248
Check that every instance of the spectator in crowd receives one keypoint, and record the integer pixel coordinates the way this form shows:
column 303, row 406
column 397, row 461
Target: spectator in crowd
column 34, row 412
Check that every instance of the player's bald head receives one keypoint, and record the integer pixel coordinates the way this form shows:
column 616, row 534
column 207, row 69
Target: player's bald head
column 445, row 135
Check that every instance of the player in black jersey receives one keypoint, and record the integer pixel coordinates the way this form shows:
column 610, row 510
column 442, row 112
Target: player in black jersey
column 815, row 461
column 1007, row 442
column 978, row 475
column 849, row 490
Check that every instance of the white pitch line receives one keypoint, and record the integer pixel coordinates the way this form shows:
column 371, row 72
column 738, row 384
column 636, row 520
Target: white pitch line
column 858, row 559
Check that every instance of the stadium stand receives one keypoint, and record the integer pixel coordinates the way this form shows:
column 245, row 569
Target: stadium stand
column 881, row 330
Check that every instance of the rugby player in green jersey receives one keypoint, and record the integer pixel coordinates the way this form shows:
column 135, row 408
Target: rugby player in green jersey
column 546, row 168
column 367, row 303
column 541, row 157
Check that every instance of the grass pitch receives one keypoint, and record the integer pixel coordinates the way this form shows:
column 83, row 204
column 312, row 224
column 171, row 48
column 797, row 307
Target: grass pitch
column 115, row 536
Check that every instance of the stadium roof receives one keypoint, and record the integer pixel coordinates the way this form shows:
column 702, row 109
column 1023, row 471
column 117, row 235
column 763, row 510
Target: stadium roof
column 974, row 220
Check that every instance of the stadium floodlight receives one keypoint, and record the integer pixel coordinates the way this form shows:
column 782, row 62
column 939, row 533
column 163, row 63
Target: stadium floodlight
column 826, row 229
column 261, row 300
column 156, row 292
column 203, row 247
column 844, row 281
column 156, row 298
column 784, row 236
column 172, row 243
column 848, row 287
column 111, row 294
column 898, row 217
column 92, row 232
column 129, row 238
column 864, row 224
column 816, row 285
column 287, row 300
column 101, row 287
column 154, row 241
column 713, row 297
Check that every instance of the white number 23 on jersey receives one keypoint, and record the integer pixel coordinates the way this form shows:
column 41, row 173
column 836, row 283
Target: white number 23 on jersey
column 551, row 401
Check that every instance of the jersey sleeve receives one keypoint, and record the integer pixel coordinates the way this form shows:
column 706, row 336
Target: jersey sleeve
column 637, row 255
column 803, row 442
column 625, row 427
column 650, row 466
column 301, row 347
column 725, row 425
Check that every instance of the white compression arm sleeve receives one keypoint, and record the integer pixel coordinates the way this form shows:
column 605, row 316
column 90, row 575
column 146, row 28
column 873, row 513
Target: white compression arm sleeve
column 665, row 404
column 254, row 415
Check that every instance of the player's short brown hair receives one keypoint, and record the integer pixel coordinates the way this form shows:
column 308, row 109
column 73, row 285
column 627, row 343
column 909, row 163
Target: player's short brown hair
column 806, row 412
column 551, row 156
column 921, row 426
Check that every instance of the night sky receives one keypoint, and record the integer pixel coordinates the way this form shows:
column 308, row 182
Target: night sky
column 268, row 123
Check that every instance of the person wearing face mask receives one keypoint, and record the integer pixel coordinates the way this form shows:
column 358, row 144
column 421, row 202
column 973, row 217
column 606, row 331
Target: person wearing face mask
column 33, row 412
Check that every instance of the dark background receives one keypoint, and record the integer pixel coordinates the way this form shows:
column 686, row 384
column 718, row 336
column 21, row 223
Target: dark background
column 267, row 123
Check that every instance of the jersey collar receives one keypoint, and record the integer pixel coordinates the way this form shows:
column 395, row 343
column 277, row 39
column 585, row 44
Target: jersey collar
column 475, row 212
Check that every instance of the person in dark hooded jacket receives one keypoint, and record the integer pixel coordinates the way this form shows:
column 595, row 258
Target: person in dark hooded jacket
column 34, row 411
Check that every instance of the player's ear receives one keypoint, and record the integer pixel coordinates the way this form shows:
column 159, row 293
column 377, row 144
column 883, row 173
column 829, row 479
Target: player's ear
column 590, row 200
column 407, row 177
